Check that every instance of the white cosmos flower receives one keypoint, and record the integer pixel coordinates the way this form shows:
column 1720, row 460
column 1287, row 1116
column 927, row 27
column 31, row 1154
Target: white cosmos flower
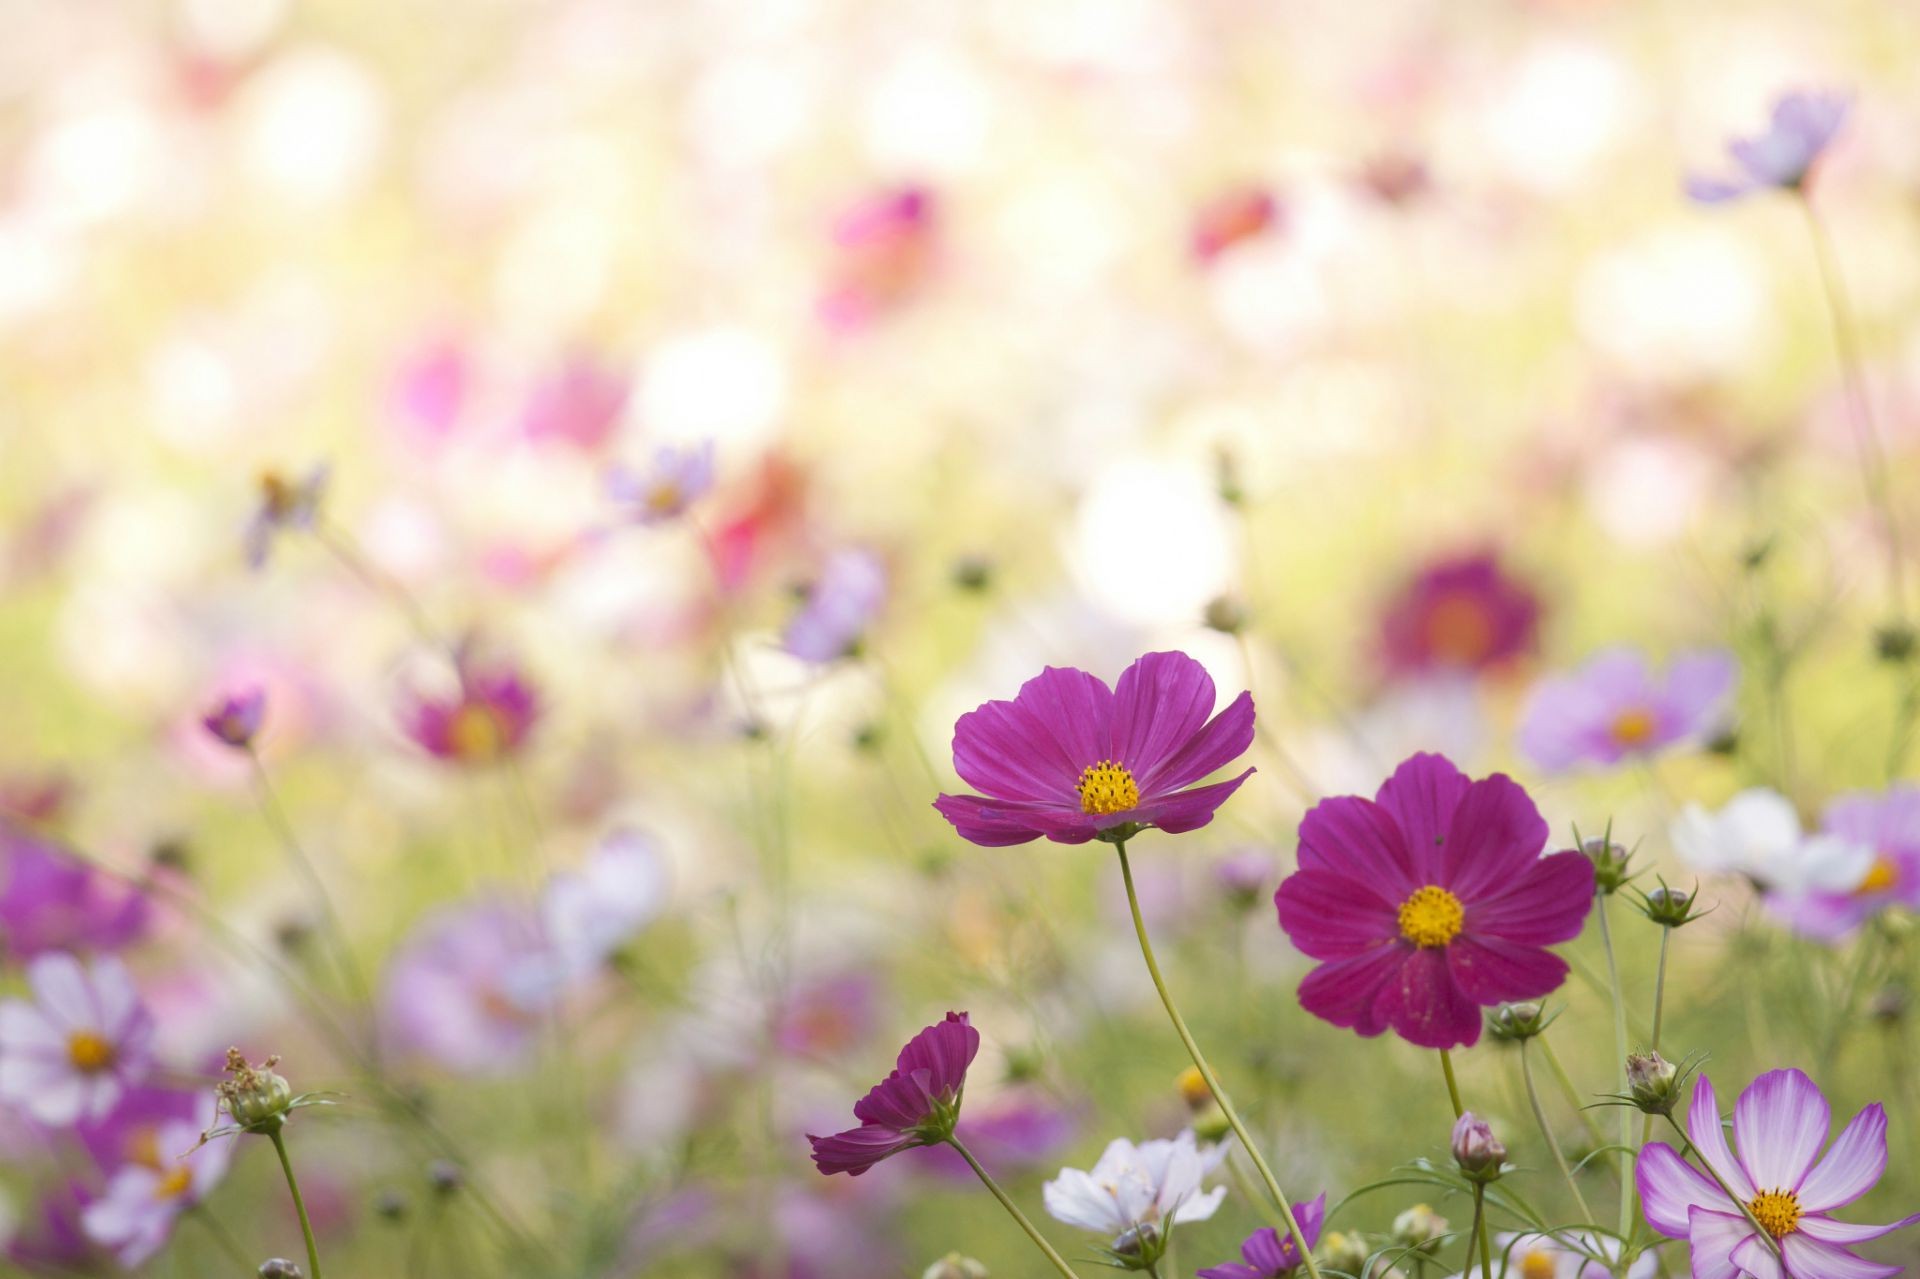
column 1758, row 834
column 1152, row 1184
column 592, row 912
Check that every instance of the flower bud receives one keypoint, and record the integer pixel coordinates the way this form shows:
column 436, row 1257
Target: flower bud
column 1419, row 1227
column 1654, row 1082
column 1512, row 1023
column 1894, row 643
column 236, row 718
column 1225, row 614
column 1193, row 1088
column 1888, row 1005
column 444, row 1176
column 390, row 1205
column 1344, row 1252
column 1669, row 907
column 1141, row 1247
column 973, row 573
column 1478, row 1152
column 280, row 1268
column 1609, row 864
column 1210, row 1125
column 955, row 1266
column 256, row 1097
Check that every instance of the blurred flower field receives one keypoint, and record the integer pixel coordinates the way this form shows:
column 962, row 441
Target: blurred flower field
column 1301, row 617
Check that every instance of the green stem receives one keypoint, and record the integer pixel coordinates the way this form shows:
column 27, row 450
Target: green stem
column 1659, row 1006
column 1480, row 1229
column 1013, row 1210
column 1546, row 1134
column 299, row 1205
column 1627, row 1188
column 1206, row 1071
column 1572, row 1093
column 1453, row 1085
column 1773, row 1245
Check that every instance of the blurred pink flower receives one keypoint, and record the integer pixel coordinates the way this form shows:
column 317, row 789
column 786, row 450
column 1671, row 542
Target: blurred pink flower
column 1460, row 613
column 470, row 988
column 487, row 718
column 144, row 1198
column 884, row 249
column 52, row 901
column 579, row 403
column 431, row 391
column 1231, row 218
column 1615, row 706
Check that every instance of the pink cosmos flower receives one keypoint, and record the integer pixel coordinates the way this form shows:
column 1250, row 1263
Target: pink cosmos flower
column 1780, row 1123
column 487, row 718
column 1615, row 706
column 145, row 1197
column 1782, row 158
column 884, row 249
column 579, row 403
column 431, row 390
column 471, row 988
column 1231, row 218
column 1268, row 1254
column 1071, row 759
column 1460, row 613
column 52, row 901
column 916, row 1105
column 1887, row 827
column 86, row 1037
column 1429, row 902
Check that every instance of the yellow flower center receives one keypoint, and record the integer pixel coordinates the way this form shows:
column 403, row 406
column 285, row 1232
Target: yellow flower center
column 1107, row 787
column 1539, row 1265
column 475, row 733
column 1777, row 1211
column 89, row 1052
column 1458, row 630
column 663, row 498
column 143, row 1147
column 1881, row 876
column 1634, row 727
column 1432, row 917
column 175, row 1183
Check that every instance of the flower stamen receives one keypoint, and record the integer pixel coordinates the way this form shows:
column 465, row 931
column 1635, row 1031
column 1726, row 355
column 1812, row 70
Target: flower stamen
column 1881, row 876
column 1432, row 917
column 1777, row 1211
column 1634, row 727
column 89, row 1052
column 1107, row 787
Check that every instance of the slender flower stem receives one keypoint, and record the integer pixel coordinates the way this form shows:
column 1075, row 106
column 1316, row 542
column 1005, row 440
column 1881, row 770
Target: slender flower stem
column 299, row 1205
column 1766, row 1236
column 1572, row 1093
column 1453, row 1085
column 1249, row 1193
column 1480, row 1234
column 1013, row 1209
column 1206, row 1071
column 1627, row 1188
column 1546, row 1134
column 1659, row 1006
column 221, row 1236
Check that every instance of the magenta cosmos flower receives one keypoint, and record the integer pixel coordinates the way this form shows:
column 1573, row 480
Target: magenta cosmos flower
column 1782, row 158
column 1428, row 902
column 486, row 718
column 1780, row 1123
column 1460, row 613
column 236, row 718
column 1071, row 759
column 1268, row 1254
column 1888, row 827
column 1615, row 706
column 917, row 1105
column 50, row 900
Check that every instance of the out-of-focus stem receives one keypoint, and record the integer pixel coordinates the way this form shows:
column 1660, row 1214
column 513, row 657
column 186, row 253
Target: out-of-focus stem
column 299, row 1205
column 1546, row 1135
column 1620, row 1059
column 1571, row 1093
column 1773, row 1245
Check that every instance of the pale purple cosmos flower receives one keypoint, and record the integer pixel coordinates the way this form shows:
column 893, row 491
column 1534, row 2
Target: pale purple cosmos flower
column 1268, row 1254
column 1242, row 874
column 1615, row 706
column 1878, row 836
column 675, row 479
column 53, row 901
column 471, row 988
column 591, row 912
column 236, row 718
column 1779, row 1125
column 1429, row 902
column 917, row 1105
column 1460, row 613
column 1136, row 1193
column 70, row 1053
column 285, row 505
column 580, row 403
column 143, row 1199
column 1783, row 157
column 131, row 1132
column 488, row 716
column 839, row 607
column 1071, row 759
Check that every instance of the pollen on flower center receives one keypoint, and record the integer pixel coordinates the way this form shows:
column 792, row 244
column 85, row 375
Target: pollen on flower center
column 176, row 1183
column 1881, row 876
column 475, row 733
column 1633, row 727
column 1459, row 630
column 1107, row 787
column 1539, row 1264
column 1777, row 1211
column 1431, row 917
column 89, row 1052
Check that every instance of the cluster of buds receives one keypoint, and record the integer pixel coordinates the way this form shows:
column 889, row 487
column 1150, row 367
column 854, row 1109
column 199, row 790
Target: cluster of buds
column 1480, row 1155
column 1512, row 1023
column 1209, row 1120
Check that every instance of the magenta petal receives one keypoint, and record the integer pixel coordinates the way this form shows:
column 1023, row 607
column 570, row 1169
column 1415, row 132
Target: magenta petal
column 1851, row 1167
column 858, row 1149
column 1327, row 915
column 996, row 824
column 1422, row 795
column 1809, row 1257
column 999, row 750
column 1711, row 1238
column 1224, row 739
column 1546, row 903
column 1780, row 1122
column 1159, row 703
column 1074, row 710
column 1710, row 1138
column 1425, row 1007
column 1496, row 834
column 945, row 1050
column 1346, row 991
column 1185, row 810
column 1360, row 839
column 1669, row 1186
column 1491, row 971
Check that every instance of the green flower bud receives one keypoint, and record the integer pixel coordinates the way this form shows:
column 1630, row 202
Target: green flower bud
column 1654, row 1083
column 1512, row 1023
column 955, row 1266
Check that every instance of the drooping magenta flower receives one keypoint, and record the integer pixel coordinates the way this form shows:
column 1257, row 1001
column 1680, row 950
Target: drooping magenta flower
column 1782, row 158
column 1779, row 1125
column 1269, row 1254
column 143, row 1198
column 1071, row 759
column 579, row 403
column 884, row 248
column 1231, row 218
column 840, row 605
column 1460, row 613
column 285, row 505
column 50, row 901
column 1615, row 707
column 487, row 717
column 1878, row 837
column 471, row 988
column 1429, row 902
column 83, row 1040
column 917, row 1105
column 236, row 718
column 675, row 479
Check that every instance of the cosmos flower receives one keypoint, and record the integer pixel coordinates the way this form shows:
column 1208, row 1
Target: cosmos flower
column 917, row 1105
column 1231, row 218
column 431, row 390
column 591, row 912
column 1614, row 707
column 1783, row 157
column 1757, row 834
column 1269, row 1254
column 53, row 901
column 49, row 1237
column 70, row 1053
column 285, row 505
column 883, row 255
column 143, row 1199
column 1134, row 1194
column 487, row 718
column 1071, row 759
column 1870, row 854
column 471, row 987
column 839, row 607
column 827, row 1015
column 675, row 479
column 1429, row 902
column 235, row 719
column 1779, row 1125
column 130, row 1132
column 1460, row 613
column 1546, row 1257
column 579, row 403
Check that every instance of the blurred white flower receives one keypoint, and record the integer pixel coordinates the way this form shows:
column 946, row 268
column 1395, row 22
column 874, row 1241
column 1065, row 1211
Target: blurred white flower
column 1758, row 834
column 590, row 913
column 1152, row 1184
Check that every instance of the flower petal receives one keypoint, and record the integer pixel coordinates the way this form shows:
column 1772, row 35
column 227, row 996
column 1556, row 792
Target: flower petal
column 1358, row 838
column 1224, row 739
column 1711, row 1238
column 1000, row 750
column 1851, row 1167
column 1495, row 835
column 1188, row 809
column 1327, row 915
column 858, row 1149
column 1075, row 710
column 1424, row 1005
column 1809, row 1257
column 1346, row 992
column 1491, row 971
column 1827, row 1230
column 1781, row 1121
column 1422, row 795
column 1159, row 703
column 1547, row 903
column 945, row 1049
column 1710, row 1139
column 1669, row 1186
column 1752, row 1256
column 999, row 823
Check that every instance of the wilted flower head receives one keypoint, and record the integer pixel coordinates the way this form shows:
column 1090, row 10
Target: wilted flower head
column 579, row 403
column 917, row 1105
column 1073, row 760
column 488, row 717
column 284, row 505
column 840, row 605
column 1134, row 1194
column 1429, row 902
column 1233, row 217
column 1476, row 1150
column 674, row 480
column 144, row 1197
column 1783, row 157
column 1871, row 846
column 1615, row 707
column 1780, row 1124
column 70, row 1053
column 257, row 1098
column 50, row 900
column 1460, row 613
column 235, row 719
column 1757, row 833
column 1269, row 1253
column 884, row 251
